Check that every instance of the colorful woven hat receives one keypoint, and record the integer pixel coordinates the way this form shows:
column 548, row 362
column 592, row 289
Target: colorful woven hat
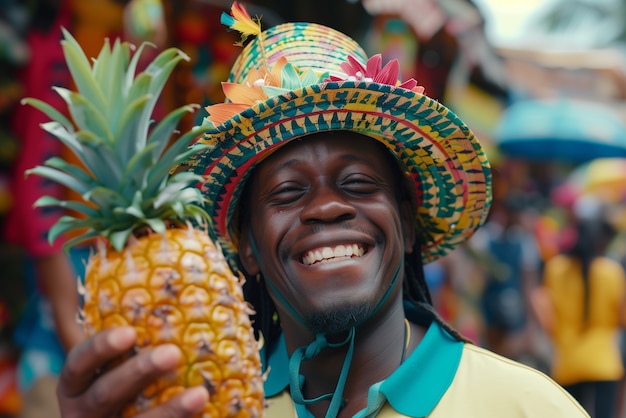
column 298, row 79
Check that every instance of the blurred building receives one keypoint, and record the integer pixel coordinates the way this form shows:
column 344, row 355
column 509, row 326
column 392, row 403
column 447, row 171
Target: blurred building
column 590, row 74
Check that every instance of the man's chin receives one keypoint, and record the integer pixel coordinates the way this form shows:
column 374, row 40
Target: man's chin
column 337, row 321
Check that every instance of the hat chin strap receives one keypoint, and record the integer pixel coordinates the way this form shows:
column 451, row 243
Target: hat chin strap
column 307, row 352
column 296, row 380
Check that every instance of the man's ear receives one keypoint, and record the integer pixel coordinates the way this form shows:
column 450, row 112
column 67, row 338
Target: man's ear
column 246, row 253
column 407, row 217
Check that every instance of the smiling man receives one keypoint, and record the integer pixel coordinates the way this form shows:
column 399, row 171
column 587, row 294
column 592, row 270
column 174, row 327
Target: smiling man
column 330, row 183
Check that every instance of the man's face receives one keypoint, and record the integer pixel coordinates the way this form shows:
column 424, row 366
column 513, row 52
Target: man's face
column 328, row 228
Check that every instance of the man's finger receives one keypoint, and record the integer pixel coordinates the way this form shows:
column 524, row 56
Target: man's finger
column 124, row 383
column 85, row 359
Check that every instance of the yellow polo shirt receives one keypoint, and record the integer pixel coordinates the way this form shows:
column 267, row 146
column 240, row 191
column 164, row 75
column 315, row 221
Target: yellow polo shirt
column 444, row 378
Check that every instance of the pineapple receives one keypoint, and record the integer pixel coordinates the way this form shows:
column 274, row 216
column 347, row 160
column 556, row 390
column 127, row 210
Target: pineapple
column 154, row 266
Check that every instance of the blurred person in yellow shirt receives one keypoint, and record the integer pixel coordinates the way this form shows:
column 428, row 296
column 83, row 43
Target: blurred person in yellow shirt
column 580, row 304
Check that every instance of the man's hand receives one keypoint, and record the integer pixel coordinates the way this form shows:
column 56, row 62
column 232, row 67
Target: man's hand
column 82, row 392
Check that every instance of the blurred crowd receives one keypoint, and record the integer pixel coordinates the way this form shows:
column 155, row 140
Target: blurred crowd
column 542, row 282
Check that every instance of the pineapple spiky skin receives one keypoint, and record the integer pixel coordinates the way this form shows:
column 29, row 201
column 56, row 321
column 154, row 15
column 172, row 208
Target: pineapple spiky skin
column 152, row 269
column 178, row 288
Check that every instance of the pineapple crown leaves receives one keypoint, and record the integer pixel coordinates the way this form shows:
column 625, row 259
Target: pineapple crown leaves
column 125, row 183
column 112, row 108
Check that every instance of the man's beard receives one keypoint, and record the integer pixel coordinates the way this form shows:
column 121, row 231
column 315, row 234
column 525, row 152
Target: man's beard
column 338, row 321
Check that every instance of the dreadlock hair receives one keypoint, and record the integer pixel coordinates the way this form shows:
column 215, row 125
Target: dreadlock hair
column 414, row 287
column 415, row 291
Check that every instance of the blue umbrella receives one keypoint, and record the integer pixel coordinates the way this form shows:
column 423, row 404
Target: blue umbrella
column 561, row 130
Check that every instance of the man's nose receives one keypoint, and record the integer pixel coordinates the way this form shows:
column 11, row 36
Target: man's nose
column 326, row 204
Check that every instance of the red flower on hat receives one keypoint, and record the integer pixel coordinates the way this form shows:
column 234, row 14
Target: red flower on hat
column 374, row 71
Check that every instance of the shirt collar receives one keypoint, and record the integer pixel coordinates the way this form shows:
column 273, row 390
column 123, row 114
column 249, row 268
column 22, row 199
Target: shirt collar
column 410, row 393
column 416, row 387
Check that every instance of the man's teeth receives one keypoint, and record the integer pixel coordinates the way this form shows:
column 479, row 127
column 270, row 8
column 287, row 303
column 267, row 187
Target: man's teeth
column 330, row 253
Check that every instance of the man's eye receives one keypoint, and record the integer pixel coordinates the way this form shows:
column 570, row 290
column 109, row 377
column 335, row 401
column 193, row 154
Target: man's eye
column 287, row 193
column 287, row 188
column 360, row 185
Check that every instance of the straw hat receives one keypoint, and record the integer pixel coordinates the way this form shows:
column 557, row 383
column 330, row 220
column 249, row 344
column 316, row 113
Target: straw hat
column 297, row 79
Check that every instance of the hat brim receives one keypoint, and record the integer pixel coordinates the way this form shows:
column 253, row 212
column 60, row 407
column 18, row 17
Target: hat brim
column 449, row 169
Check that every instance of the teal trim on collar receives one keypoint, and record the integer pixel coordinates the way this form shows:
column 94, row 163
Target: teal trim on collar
column 278, row 363
column 420, row 383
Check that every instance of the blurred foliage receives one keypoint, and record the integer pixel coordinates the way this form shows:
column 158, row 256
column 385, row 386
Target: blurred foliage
column 567, row 15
